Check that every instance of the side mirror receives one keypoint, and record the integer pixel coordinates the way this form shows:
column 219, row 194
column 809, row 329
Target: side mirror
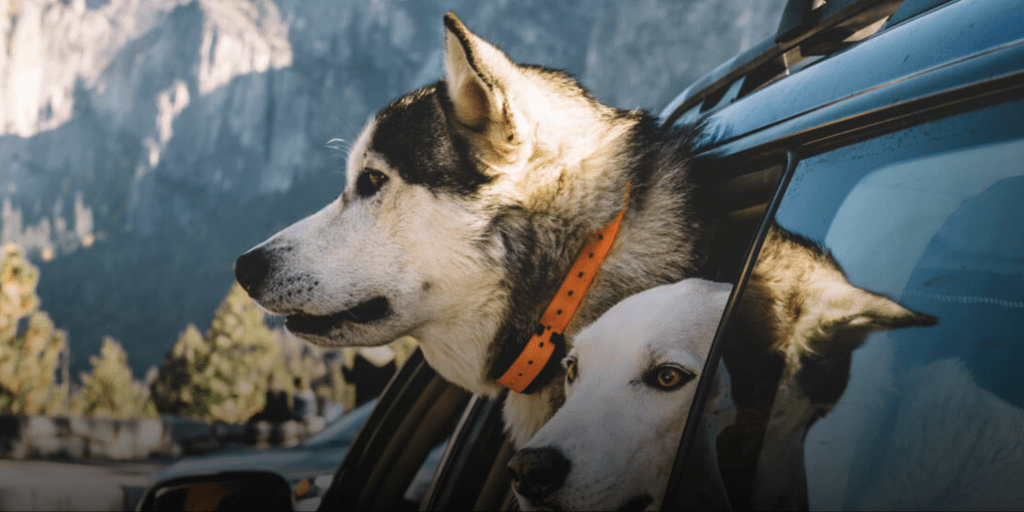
column 239, row 490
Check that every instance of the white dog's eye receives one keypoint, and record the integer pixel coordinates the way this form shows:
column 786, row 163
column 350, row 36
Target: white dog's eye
column 570, row 369
column 369, row 182
column 668, row 377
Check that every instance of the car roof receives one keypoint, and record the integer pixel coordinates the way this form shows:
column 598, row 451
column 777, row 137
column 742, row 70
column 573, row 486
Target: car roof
column 912, row 58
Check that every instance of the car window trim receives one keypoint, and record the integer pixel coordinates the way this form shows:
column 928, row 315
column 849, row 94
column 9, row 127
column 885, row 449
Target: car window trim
column 677, row 496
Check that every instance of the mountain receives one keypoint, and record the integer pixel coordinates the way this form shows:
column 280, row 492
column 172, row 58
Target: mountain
column 144, row 144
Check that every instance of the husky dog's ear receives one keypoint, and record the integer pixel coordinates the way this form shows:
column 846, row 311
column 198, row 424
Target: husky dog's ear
column 477, row 76
column 845, row 314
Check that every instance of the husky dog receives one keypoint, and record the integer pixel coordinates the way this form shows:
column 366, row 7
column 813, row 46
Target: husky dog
column 465, row 205
column 630, row 381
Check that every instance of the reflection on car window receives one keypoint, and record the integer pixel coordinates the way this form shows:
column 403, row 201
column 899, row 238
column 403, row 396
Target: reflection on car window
column 900, row 413
column 342, row 431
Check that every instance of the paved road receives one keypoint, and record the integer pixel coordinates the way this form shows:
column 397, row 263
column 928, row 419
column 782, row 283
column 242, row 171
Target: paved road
column 74, row 485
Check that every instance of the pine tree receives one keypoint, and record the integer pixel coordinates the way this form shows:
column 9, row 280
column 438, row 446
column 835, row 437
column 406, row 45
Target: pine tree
column 221, row 376
column 110, row 391
column 29, row 361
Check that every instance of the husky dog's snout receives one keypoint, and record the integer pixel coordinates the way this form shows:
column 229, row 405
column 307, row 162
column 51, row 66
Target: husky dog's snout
column 538, row 472
column 251, row 270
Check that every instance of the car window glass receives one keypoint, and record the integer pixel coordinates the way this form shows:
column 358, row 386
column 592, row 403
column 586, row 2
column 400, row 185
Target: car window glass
column 898, row 350
column 420, row 484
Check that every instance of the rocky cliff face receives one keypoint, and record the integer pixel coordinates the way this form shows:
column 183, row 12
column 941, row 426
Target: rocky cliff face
column 145, row 143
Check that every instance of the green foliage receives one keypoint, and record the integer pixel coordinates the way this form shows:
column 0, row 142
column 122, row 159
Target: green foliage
column 110, row 391
column 221, row 376
column 29, row 361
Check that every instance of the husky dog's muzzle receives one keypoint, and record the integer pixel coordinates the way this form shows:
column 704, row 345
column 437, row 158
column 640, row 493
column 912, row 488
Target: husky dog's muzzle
column 252, row 270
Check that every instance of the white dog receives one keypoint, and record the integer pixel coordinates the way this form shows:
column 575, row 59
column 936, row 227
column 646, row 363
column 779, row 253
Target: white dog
column 630, row 380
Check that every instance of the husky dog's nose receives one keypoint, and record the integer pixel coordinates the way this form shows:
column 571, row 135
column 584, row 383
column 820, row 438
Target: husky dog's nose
column 538, row 472
column 251, row 269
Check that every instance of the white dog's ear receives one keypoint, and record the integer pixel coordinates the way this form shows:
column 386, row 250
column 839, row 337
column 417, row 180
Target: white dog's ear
column 477, row 76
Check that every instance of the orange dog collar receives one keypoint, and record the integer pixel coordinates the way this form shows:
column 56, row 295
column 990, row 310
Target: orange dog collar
column 538, row 351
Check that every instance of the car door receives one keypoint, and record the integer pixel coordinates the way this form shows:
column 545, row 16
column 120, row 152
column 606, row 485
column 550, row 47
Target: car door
column 918, row 205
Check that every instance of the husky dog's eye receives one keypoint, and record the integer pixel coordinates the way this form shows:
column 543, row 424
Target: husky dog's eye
column 369, row 182
column 668, row 377
column 570, row 369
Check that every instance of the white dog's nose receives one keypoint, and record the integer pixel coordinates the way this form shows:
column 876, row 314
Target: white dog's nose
column 538, row 472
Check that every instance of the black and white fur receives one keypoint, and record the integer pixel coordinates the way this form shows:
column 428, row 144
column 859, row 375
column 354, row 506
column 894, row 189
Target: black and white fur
column 465, row 204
